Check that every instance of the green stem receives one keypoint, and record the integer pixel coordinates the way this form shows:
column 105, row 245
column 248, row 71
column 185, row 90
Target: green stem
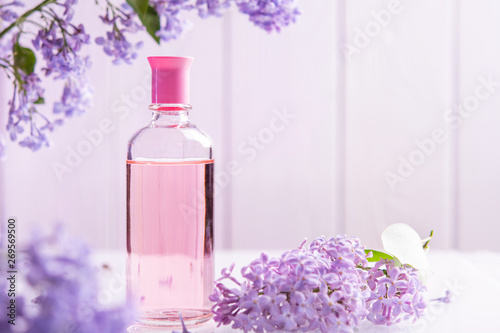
column 58, row 21
column 23, row 17
column 427, row 240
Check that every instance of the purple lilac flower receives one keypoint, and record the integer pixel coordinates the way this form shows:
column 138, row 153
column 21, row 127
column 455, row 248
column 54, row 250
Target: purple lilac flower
column 60, row 51
column 172, row 25
column 63, row 62
column 68, row 9
column 6, row 45
column 22, row 111
column 7, row 41
column 269, row 14
column 395, row 295
column 320, row 287
column 8, row 15
column 208, row 8
column 59, row 45
column 115, row 44
column 76, row 98
column 446, row 299
column 58, row 267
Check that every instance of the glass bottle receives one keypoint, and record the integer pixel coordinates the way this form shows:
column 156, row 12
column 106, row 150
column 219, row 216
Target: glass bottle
column 170, row 268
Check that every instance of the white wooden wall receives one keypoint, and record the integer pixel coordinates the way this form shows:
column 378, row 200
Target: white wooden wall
column 307, row 125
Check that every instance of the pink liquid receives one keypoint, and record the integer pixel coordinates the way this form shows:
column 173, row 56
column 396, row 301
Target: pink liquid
column 170, row 240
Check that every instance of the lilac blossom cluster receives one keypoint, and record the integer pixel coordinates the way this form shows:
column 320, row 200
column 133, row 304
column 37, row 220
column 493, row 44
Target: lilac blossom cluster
column 59, row 42
column 328, row 286
column 172, row 24
column 63, row 290
column 115, row 44
column 396, row 293
column 22, row 110
column 59, row 47
column 270, row 15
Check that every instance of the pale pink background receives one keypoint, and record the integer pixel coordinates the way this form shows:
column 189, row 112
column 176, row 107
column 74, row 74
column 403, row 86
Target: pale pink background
column 323, row 172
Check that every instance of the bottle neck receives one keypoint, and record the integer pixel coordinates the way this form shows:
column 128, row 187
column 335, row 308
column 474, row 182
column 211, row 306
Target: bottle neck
column 169, row 115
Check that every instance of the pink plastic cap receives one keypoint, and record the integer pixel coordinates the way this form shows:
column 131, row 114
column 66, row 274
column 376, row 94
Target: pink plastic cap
column 170, row 80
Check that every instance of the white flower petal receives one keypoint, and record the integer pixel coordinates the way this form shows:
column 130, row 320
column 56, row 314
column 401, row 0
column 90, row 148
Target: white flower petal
column 403, row 241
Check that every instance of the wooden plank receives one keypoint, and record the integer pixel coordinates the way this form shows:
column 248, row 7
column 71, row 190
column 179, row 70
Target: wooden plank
column 479, row 158
column 284, row 129
column 398, row 86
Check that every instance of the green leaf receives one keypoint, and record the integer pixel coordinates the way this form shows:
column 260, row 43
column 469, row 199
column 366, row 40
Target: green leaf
column 148, row 16
column 40, row 100
column 24, row 59
column 377, row 256
column 139, row 6
column 152, row 23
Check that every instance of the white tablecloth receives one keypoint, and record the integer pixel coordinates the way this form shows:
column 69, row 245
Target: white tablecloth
column 472, row 277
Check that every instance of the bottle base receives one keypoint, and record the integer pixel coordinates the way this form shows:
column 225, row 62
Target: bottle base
column 206, row 327
column 170, row 317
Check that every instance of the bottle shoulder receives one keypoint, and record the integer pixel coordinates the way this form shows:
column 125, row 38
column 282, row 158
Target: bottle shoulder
column 185, row 133
column 183, row 141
